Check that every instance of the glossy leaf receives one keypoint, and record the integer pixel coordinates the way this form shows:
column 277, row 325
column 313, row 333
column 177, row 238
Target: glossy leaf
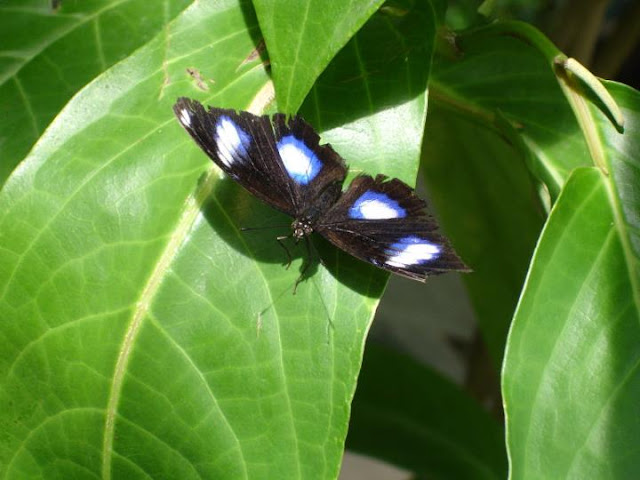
column 565, row 370
column 134, row 313
column 469, row 181
column 407, row 415
column 497, row 116
column 48, row 53
column 374, row 92
column 569, row 380
column 303, row 36
column 623, row 163
column 502, row 76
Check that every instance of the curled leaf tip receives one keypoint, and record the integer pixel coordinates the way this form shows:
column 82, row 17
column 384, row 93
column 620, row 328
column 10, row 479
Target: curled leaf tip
column 574, row 74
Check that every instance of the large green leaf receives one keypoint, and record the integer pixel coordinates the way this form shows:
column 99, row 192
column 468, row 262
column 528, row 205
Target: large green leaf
column 374, row 92
column 498, row 115
column 303, row 36
column 410, row 416
column 501, row 83
column 502, row 76
column 503, row 80
column 487, row 202
column 143, row 335
column 570, row 379
column 48, row 54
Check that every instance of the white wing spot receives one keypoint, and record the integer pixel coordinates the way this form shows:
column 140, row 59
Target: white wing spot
column 376, row 206
column 299, row 160
column 412, row 251
column 231, row 141
column 377, row 210
column 295, row 161
column 185, row 117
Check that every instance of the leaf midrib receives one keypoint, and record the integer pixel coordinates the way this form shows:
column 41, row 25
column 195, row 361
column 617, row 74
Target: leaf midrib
column 178, row 236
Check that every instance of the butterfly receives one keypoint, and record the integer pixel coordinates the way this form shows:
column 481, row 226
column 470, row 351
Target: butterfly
column 279, row 159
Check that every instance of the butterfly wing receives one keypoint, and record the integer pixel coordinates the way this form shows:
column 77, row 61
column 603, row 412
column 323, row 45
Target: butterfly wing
column 279, row 160
column 384, row 222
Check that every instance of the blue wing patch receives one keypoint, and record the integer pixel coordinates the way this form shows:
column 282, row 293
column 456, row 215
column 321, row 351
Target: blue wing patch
column 376, row 206
column 232, row 142
column 301, row 163
column 411, row 250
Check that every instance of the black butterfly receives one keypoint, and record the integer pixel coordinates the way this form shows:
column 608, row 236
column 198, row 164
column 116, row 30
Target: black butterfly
column 281, row 162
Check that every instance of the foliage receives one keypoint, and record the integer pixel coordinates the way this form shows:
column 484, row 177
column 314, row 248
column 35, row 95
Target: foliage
column 143, row 335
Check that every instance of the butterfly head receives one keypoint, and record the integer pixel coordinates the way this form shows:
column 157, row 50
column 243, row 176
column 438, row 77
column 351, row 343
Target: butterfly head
column 301, row 228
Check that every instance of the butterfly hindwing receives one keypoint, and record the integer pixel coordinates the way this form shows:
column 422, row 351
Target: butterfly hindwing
column 384, row 223
column 277, row 159
column 378, row 198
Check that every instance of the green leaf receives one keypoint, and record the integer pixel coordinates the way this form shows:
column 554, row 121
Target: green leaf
column 497, row 115
column 570, row 352
column 303, row 36
column 623, row 163
column 136, row 317
column 468, row 182
column 47, row 55
column 410, row 416
column 374, row 93
column 570, row 377
column 504, row 73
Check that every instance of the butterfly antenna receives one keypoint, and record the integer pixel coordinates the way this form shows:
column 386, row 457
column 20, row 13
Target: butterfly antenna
column 267, row 227
column 262, row 312
column 326, row 309
column 313, row 256
column 318, row 258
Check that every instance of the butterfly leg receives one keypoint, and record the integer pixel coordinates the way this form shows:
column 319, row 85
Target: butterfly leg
column 316, row 255
column 280, row 242
column 307, row 263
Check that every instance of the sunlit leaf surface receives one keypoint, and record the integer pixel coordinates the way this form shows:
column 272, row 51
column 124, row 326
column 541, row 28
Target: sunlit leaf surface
column 570, row 377
column 571, row 356
column 137, row 319
column 303, row 36
column 49, row 52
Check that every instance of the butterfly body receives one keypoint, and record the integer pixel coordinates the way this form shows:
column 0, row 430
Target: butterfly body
column 381, row 221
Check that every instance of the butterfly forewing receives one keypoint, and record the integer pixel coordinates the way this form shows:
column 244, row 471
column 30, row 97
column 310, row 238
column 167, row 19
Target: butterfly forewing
column 277, row 159
column 243, row 146
column 317, row 171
